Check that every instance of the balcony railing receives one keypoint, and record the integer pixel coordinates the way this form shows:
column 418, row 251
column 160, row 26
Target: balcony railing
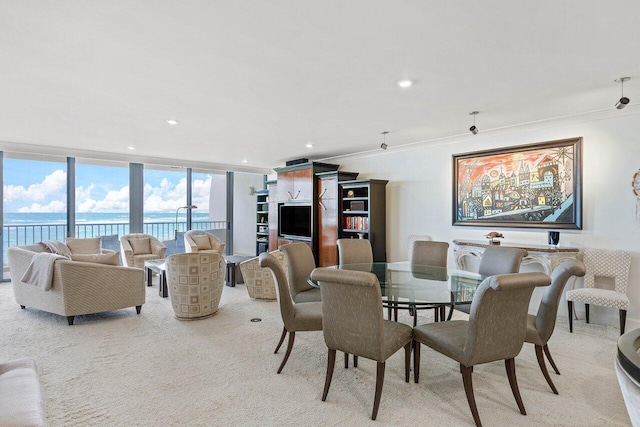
column 19, row 235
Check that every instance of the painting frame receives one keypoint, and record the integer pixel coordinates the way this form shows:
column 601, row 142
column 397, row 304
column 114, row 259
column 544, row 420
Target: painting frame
column 535, row 185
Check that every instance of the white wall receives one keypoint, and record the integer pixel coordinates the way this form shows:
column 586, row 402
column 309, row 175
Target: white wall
column 419, row 192
column 244, row 212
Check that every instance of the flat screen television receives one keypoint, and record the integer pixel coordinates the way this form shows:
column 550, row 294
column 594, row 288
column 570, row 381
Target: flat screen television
column 294, row 220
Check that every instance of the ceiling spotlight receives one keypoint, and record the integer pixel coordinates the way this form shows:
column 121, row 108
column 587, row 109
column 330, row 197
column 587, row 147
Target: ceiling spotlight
column 308, row 145
column 245, row 160
column 404, row 83
column 623, row 101
column 384, row 140
column 172, row 122
column 131, row 147
column 473, row 129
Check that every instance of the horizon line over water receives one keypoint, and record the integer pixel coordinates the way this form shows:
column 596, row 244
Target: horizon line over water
column 27, row 218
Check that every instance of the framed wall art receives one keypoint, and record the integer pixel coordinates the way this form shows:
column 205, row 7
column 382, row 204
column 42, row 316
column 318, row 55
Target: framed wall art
column 532, row 186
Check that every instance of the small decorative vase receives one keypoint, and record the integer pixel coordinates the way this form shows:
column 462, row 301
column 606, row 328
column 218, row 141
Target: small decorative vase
column 554, row 238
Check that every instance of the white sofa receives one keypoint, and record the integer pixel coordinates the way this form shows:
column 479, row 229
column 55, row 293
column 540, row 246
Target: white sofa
column 21, row 398
column 78, row 287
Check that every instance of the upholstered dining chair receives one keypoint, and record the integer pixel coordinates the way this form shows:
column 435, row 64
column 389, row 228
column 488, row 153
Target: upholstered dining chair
column 495, row 331
column 603, row 264
column 201, row 241
column 496, row 260
column 353, row 323
column 301, row 263
column 137, row 248
column 354, row 251
column 434, row 254
column 541, row 325
column 195, row 284
column 414, row 238
column 297, row 317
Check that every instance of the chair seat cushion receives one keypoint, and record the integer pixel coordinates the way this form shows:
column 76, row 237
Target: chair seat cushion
column 447, row 338
column 394, row 336
column 599, row 297
column 312, row 295
column 307, row 317
column 533, row 336
column 112, row 258
column 140, row 246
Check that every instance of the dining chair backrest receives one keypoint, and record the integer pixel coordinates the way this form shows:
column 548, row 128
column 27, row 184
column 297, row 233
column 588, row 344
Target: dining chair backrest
column 607, row 263
column 498, row 317
column 425, row 252
column 282, row 286
column 354, row 251
column 301, row 263
column 351, row 312
column 500, row 260
column 413, row 238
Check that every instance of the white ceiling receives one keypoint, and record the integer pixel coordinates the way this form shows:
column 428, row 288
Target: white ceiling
column 257, row 80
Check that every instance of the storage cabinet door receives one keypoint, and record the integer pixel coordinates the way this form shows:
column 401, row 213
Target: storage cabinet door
column 328, row 232
column 303, row 185
column 285, row 186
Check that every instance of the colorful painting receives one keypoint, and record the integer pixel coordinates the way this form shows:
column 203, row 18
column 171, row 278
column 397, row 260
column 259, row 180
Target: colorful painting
column 537, row 185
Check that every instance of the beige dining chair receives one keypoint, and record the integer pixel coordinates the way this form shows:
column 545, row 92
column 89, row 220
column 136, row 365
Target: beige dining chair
column 297, row 317
column 353, row 323
column 301, row 263
column 354, row 251
column 485, row 337
column 540, row 326
column 496, row 260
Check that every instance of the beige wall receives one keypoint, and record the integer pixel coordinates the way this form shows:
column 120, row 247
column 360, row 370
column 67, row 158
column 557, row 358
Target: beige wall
column 419, row 190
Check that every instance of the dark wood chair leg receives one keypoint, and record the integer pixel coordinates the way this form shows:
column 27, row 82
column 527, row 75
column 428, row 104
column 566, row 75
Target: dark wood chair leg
column 389, row 312
column 548, row 353
column 586, row 312
column 138, row 309
column 570, row 309
column 450, row 312
column 331, row 362
column 623, row 320
column 510, row 365
column 284, row 334
column 355, row 361
column 468, row 389
column 543, row 368
column 407, row 360
column 395, row 313
column 416, row 361
column 379, row 383
column 70, row 320
column 346, row 360
column 292, row 337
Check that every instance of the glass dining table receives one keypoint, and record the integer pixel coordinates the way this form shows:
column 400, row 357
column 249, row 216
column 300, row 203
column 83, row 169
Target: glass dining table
column 414, row 287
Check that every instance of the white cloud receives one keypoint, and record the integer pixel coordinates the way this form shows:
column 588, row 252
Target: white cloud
column 54, row 206
column 53, row 185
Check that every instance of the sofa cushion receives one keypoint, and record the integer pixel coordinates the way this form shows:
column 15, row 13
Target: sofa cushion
column 84, row 246
column 21, row 399
column 112, row 258
column 202, row 241
column 140, row 246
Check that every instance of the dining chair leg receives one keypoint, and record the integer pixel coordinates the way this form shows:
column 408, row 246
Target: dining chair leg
column 570, row 309
column 510, row 365
column 407, row 361
column 284, row 334
column 415, row 318
column 550, row 359
column 623, row 320
column 389, row 311
column 586, row 312
column 292, row 337
column 379, row 383
column 355, row 361
column 450, row 312
column 331, row 362
column 416, row 361
column 468, row 389
column 543, row 368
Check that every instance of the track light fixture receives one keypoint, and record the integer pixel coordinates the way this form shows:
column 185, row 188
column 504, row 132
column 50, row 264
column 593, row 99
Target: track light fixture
column 623, row 101
column 473, row 129
column 384, row 140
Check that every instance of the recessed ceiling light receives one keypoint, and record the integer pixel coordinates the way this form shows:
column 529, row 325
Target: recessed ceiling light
column 131, row 147
column 245, row 160
column 405, row 83
column 172, row 122
column 308, row 145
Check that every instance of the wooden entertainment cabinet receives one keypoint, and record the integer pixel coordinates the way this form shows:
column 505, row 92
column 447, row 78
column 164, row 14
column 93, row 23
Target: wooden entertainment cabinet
column 320, row 186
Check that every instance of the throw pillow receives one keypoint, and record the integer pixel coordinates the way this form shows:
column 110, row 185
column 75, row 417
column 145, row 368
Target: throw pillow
column 84, row 246
column 108, row 259
column 202, row 241
column 140, row 246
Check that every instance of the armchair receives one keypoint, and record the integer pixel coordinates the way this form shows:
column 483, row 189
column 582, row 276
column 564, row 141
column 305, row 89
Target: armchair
column 200, row 241
column 137, row 248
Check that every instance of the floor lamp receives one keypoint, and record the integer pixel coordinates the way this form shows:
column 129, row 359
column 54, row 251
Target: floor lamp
column 175, row 231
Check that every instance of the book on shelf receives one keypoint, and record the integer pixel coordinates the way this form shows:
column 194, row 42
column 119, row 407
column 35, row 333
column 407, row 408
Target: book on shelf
column 356, row 222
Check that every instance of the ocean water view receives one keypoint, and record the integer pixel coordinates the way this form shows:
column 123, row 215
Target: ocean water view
column 41, row 218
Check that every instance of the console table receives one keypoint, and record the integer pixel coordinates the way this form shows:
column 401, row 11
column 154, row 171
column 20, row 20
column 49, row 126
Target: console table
column 546, row 255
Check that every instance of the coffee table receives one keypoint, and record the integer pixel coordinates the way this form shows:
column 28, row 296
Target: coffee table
column 157, row 266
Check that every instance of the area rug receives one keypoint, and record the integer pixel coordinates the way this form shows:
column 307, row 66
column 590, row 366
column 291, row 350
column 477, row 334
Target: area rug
column 123, row 369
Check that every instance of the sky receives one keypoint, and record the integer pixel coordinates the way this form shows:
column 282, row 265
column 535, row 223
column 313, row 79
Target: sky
column 37, row 186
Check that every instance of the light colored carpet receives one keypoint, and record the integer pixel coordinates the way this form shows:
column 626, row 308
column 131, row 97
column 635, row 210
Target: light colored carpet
column 119, row 368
